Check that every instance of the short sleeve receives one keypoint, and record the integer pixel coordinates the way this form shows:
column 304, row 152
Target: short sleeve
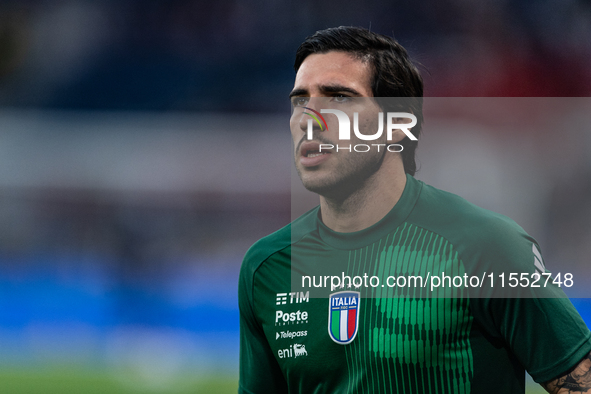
column 539, row 325
column 259, row 371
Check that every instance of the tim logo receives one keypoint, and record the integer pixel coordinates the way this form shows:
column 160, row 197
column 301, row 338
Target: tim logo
column 294, row 298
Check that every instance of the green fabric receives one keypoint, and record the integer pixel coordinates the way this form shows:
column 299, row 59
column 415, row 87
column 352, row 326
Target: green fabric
column 409, row 339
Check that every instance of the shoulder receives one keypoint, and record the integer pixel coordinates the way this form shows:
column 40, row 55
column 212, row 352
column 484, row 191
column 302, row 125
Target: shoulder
column 450, row 213
column 474, row 232
column 267, row 246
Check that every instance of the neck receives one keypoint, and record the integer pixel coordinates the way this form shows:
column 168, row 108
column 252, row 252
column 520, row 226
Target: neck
column 367, row 205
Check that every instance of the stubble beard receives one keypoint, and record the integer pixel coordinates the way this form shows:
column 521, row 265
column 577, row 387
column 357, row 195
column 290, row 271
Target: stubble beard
column 351, row 176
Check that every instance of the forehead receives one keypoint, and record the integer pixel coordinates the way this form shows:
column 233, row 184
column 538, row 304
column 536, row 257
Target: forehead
column 333, row 69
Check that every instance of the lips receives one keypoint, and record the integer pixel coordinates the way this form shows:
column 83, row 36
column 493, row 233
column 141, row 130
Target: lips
column 311, row 156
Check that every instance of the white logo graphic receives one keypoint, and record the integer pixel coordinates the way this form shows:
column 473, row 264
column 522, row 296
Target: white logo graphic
column 295, row 350
column 281, row 299
column 283, row 318
column 538, row 261
column 290, row 334
column 294, row 297
column 299, row 350
column 345, row 125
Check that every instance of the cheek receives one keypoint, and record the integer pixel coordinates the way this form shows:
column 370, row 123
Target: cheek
column 294, row 126
column 369, row 126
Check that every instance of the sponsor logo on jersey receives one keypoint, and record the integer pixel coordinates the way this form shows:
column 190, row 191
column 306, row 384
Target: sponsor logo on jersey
column 283, row 318
column 295, row 350
column 538, row 261
column 294, row 298
column 343, row 316
column 290, row 334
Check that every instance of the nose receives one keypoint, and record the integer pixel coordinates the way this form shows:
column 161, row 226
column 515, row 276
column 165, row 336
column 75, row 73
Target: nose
column 309, row 121
column 310, row 118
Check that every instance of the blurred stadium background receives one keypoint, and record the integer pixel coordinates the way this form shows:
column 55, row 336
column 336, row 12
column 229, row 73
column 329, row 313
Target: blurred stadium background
column 144, row 146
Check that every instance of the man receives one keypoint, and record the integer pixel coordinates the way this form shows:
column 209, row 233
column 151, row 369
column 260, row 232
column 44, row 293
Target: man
column 375, row 217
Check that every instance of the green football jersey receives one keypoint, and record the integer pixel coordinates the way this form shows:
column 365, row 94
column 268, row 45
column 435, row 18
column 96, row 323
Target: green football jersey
column 300, row 334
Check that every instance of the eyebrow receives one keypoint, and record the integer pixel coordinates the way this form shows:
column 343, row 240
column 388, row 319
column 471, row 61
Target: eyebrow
column 298, row 92
column 325, row 89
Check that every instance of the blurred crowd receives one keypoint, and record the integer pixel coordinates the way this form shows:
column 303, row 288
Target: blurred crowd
column 237, row 55
column 108, row 258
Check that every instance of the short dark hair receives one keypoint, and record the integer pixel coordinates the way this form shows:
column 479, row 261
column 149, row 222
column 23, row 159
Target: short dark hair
column 394, row 75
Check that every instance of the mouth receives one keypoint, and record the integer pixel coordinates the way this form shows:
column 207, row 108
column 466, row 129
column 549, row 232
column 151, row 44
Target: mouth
column 314, row 153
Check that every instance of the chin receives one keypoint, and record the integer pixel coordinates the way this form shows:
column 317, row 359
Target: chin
column 333, row 189
column 317, row 186
column 315, row 183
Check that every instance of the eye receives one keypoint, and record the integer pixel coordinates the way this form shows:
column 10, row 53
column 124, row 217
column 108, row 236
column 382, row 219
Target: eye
column 299, row 101
column 339, row 98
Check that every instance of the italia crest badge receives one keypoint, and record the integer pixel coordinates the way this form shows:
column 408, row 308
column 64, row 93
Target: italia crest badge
column 343, row 316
